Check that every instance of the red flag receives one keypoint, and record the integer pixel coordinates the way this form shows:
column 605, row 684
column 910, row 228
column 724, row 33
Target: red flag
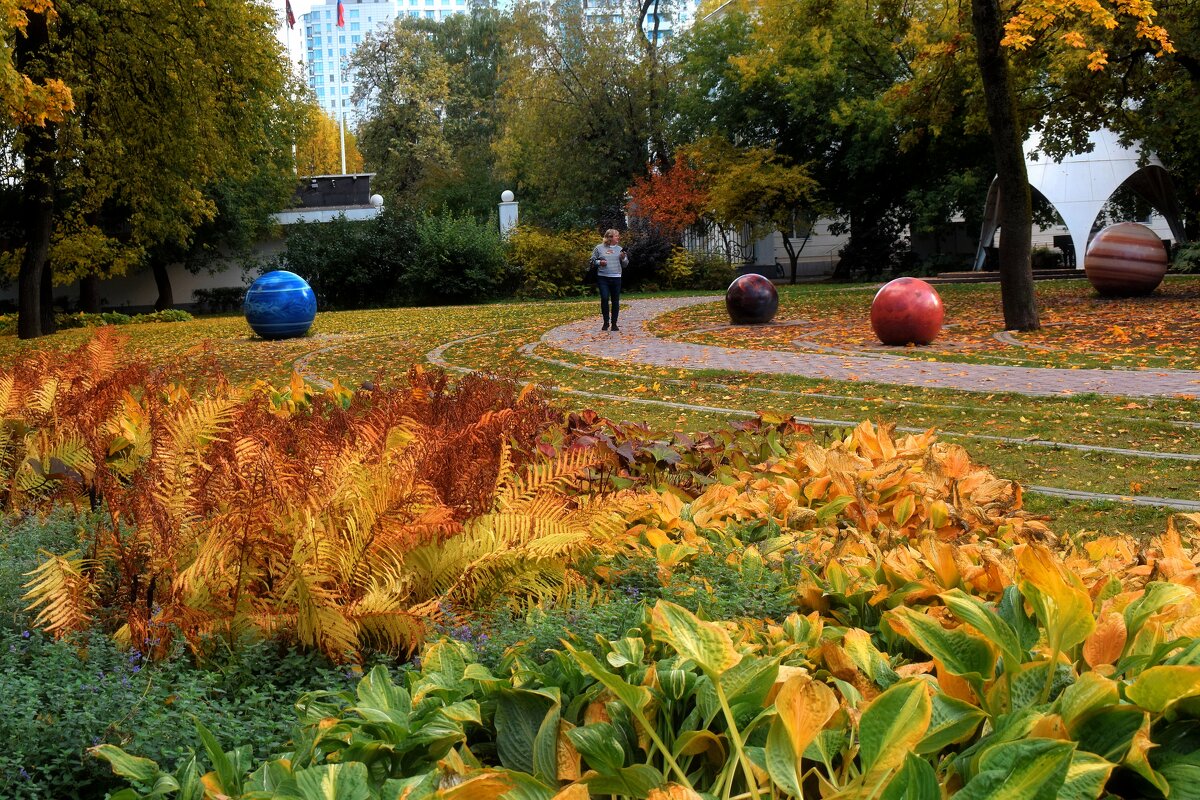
column 291, row 18
column 341, row 15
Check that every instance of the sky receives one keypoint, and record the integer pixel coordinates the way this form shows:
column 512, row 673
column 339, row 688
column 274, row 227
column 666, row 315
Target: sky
column 299, row 8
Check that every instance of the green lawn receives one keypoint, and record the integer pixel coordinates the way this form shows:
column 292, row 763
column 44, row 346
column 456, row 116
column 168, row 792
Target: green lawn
column 1037, row 441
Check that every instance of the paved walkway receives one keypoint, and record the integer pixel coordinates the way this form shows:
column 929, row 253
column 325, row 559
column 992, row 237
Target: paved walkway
column 635, row 344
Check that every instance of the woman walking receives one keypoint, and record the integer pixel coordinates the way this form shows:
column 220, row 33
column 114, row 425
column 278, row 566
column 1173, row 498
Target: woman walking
column 610, row 260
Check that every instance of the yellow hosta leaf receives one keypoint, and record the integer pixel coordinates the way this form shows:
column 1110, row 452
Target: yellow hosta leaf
column 804, row 706
column 705, row 643
column 672, row 791
column 1158, row 687
column 1063, row 607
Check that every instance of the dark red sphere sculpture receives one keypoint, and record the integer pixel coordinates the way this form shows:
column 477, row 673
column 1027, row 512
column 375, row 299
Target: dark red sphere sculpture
column 907, row 311
column 751, row 300
column 1125, row 259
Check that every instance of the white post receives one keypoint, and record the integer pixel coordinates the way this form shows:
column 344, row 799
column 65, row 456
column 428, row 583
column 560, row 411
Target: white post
column 342, row 127
column 508, row 213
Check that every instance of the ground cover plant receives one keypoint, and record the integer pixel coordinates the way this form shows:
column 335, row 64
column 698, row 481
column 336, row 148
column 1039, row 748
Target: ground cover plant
column 941, row 639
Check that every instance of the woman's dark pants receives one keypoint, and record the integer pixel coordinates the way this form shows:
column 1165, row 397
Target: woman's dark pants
column 609, row 288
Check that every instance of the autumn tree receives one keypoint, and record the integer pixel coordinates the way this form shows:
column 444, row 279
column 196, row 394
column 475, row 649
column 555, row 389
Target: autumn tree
column 178, row 110
column 809, row 80
column 402, row 81
column 27, row 97
column 757, row 188
column 1070, row 29
column 577, row 96
column 671, row 198
column 318, row 150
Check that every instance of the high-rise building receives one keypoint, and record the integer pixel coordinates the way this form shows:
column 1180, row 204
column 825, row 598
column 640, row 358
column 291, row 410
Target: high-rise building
column 327, row 48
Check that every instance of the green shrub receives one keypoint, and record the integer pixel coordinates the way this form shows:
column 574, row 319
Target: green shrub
column 1045, row 258
column 351, row 264
column 454, row 259
column 221, row 298
column 679, row 268
column 116, row 318
column 550, row 263
column 166, row 315
column 712, row 272
column 1187, row 258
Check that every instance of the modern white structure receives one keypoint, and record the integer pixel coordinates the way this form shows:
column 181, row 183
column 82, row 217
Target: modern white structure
column 1079, row 186
column 672, row 17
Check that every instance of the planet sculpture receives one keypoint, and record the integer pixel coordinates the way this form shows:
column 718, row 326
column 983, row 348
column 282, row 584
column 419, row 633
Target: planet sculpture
column 280, row 305
column 1125, row 259
column 751, row 300
column 907, row 311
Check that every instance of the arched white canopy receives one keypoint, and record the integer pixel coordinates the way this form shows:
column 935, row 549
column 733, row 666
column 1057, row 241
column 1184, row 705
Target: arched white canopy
column 1079, row 186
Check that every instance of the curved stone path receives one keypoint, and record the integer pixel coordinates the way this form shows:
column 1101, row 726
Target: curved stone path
column 634, row 343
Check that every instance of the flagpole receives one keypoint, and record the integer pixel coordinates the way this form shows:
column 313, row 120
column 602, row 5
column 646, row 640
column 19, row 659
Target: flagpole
column 337, row 54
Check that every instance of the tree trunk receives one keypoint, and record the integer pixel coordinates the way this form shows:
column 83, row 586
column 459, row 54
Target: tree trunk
column 37, row 191
column 166, row 299
column 46, row 296
column 1016, row 210
column 89, row 294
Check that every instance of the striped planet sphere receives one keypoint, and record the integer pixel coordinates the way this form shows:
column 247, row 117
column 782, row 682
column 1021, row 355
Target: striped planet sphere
column 280, row 305
column 1125, row 259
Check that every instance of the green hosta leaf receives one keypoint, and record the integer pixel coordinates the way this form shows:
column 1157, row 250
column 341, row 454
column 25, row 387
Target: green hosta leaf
column 1157, row 596
column 973, row 612
column 857, row 644
column 636, row 781
column 706, row 643
column 827, row 746
column 951, row 721
column 626, row 652
column 750, row 680
column 892, row 725
column 1025, row 686
column 827, row 512
column 142, row 770
column 274, row 778
column 333, row 782
column 1086, row 777
column 1158, row 687
column 1090, row 692
column 376, row 690
column 228, row 773
column 782, row 764
column 1183, row 778
column 520, row 714
column 418, row 787
column 598, row 744
column 1011, row 609
column 1029, row 769
column 635, row 698
column 916, row 780
column 1108, row 732
column 962, row 653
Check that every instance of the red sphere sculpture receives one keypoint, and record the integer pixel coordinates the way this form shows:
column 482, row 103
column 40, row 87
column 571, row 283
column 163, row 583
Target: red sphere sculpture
column 1125, row 259
column 751, row 300
column 907, row 310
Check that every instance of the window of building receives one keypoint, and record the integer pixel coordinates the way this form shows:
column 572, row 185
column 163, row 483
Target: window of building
column 342, row 40
column 354, row 26
column 329, row 27
column 329, row 52
column 428, row 2
column 345, row 90
column 414, row 13
column 320, row 92
column 316, row 41
column 327, row 14
column 430, row 14
column 342, row 52
column 353, row 13
column 355, row 39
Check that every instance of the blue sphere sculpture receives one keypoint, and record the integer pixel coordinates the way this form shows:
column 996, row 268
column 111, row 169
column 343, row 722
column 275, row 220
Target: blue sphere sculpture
column 280, row 305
